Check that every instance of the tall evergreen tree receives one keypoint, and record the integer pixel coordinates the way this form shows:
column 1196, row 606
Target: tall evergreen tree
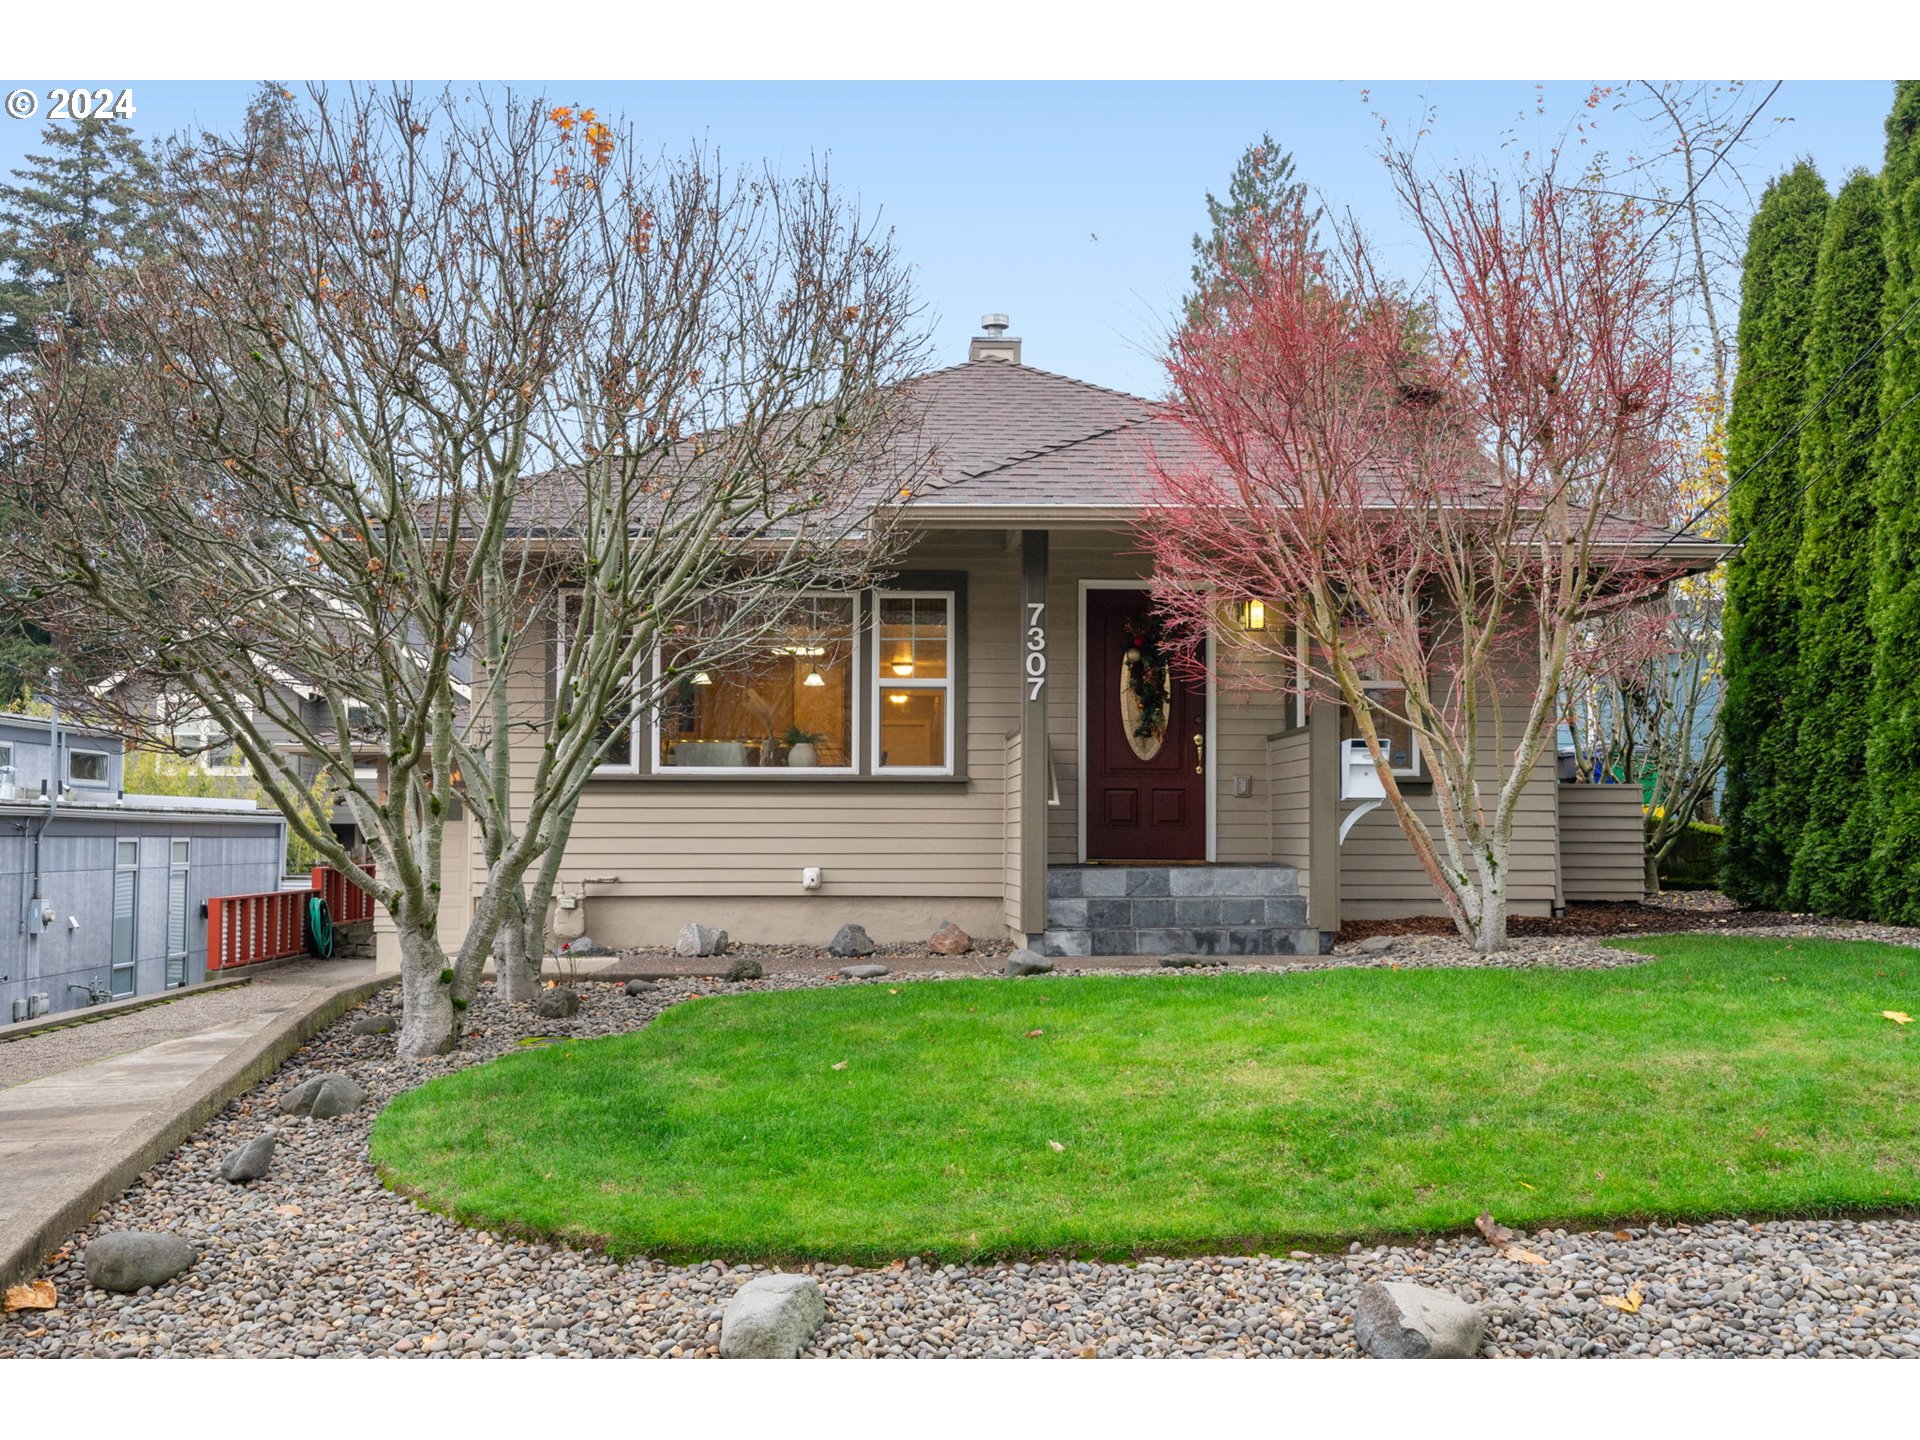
column 1763, row 810
column 1261, row 186
column 1829, row 874
column 87, row 200
column 1893, row 757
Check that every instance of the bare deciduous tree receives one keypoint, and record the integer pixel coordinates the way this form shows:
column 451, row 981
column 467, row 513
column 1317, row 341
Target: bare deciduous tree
column 1439, row 490
column 407, row 370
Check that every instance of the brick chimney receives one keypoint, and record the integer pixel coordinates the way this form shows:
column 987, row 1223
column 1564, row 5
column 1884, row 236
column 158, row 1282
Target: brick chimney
column 996, row 344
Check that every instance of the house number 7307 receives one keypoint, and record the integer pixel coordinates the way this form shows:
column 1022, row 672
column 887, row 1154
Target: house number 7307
column 1036, row 662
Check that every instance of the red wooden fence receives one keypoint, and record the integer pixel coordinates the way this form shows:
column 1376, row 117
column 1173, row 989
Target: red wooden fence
column 346, row 902
column 270, row 925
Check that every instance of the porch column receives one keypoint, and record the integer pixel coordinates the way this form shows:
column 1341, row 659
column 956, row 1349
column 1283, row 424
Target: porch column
column 1323, row 818
column 1032, row 649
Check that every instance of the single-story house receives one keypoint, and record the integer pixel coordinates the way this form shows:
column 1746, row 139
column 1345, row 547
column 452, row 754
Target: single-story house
column 106, row 890
column 962, row 742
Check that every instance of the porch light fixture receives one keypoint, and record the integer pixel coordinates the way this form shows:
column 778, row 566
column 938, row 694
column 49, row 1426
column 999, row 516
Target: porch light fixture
column 1251, row 614
column 814, row 679
column 701, row 677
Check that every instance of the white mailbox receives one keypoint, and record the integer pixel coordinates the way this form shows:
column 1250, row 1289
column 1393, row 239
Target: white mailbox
column 1358, row 779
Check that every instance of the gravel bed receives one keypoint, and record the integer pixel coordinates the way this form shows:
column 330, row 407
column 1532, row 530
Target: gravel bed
column 50, row 1051
column 987, row 957
column 319, row 1259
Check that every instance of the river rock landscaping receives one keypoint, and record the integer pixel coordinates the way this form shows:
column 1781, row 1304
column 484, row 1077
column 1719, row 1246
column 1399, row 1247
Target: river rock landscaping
column 318, row 1258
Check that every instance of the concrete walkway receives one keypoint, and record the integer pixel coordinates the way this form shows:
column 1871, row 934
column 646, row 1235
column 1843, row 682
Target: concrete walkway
column 74, row 1138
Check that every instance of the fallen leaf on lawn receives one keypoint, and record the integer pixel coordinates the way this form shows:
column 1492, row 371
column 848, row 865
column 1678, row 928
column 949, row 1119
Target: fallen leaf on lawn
column 1627, row 1304
column 34, row 1295
column 1035, row 1034
column 893, row 992
column 288, row 1210
column 1525, row 1257
column 1490, row 1229
column 1523, row 1185
column 839, row 1064
column 1899, row 1017
column 1055, row 1145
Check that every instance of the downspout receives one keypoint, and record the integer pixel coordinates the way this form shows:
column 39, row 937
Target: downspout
column 31, row 920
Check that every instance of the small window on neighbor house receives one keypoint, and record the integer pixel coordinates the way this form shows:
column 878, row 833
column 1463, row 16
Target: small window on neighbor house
column 913, row 681
column 1396, row 735
column 86, row 767
column 6, row 754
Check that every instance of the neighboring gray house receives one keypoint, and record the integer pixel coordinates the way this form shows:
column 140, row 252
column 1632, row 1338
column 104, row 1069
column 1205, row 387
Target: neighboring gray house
column 104, row 891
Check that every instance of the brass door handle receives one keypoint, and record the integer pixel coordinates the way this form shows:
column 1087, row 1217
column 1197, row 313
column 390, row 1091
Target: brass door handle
column 1199, row 754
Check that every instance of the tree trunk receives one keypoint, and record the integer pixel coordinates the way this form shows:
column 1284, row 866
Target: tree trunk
column 516, row 956
column 429, row 1023
column 1653, row 873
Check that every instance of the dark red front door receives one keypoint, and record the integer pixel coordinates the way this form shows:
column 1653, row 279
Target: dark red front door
column 1146, row 794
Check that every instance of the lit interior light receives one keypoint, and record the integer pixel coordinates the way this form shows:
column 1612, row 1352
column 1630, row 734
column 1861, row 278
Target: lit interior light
column 702, row 678
column 1253, row 614
column 903, row 668
column 814, row 679
column 897, row 698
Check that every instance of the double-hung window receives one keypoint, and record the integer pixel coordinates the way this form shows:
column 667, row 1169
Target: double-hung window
column 913, row 682
column 619, row 729
column 1389, row 705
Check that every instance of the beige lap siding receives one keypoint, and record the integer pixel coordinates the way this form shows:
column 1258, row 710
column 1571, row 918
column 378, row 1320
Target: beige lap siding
column 1291, row 815
column 896, row 856
column 1602, row 840
column 1011, row 868
column 1379, row 877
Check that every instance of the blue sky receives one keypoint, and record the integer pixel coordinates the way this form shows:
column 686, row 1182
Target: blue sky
column 1071, row 206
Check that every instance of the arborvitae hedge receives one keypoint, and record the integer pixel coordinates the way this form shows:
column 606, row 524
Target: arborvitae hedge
column 1893, row 757
column 1830, row 863
column 1763, row 807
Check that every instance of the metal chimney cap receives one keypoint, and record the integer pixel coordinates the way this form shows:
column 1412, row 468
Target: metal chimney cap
column 995, row 325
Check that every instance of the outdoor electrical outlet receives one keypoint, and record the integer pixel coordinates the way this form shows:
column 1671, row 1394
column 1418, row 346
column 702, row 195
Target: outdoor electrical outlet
column 1243, row 786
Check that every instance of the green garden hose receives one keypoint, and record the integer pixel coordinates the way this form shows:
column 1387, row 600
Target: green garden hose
column 319, row 927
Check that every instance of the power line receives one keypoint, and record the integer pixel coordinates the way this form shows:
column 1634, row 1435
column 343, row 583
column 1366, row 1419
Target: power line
column 1866, row 354
column 1807, row 484
column 1725, row 150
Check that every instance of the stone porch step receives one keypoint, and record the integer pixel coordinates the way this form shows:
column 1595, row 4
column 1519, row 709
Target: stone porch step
column 1176, row 910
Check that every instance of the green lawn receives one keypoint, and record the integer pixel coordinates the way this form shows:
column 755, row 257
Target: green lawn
column 1238, row 1111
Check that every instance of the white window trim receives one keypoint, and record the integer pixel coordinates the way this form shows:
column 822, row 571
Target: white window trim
column 890, row 681
column 562, row 630
column 1405, row 772
column 105, row 781
column 765, row 772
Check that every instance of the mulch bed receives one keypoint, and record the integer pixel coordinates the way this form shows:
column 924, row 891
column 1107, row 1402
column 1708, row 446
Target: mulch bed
column 1596, row 918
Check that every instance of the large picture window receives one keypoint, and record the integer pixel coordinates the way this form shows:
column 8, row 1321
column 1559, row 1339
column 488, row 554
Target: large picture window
column 787, row 705
column 913, row 682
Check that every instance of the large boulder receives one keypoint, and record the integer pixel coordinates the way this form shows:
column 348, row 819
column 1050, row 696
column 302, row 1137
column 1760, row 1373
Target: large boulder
column 375, row 1025
column 850, row 941
column 1028, row 962
column 250, row 1161
column 772, row 1317
column 863, row 972
column 582, row 947
column 697, row 940
column 1376, row 945
column 130, row 1260
column 557, row 1003
column 741, row 970
column 641, row 987
column 950, row 939
column 1397, row 1321
column 323, row 1097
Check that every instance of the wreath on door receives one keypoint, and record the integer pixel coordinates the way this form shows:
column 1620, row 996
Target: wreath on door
column 1146, row 671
